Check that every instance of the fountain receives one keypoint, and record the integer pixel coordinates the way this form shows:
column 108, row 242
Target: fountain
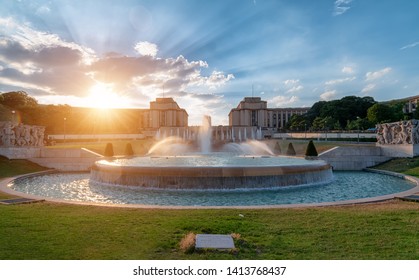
column 175, row 163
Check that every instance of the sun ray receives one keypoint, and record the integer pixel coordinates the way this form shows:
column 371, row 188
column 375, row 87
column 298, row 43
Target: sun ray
column 101, row 95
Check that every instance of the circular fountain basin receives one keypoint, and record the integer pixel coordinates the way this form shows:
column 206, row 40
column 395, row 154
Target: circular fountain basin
column 212, row 171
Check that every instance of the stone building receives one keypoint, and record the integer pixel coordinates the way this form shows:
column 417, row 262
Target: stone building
column 164, row 113
column 254, row 112
column 411, row 104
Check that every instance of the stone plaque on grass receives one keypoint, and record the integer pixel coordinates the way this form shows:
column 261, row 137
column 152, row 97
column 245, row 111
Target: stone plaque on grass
column 214, row 241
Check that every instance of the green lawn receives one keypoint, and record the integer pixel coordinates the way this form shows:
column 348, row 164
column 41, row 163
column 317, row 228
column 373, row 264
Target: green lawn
column 58, row 231
column 408, row 166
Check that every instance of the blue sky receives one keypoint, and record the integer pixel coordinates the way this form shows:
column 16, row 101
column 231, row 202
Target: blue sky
column 208, row 55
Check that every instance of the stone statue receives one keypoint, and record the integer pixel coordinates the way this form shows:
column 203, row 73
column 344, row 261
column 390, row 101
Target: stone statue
column 403, row 132
column 21, row 135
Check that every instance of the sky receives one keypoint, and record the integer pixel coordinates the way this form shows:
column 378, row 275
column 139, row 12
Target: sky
column 208, row 55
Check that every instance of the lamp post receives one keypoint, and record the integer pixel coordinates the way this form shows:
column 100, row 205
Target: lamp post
column 13, row 116
column 357, row 122
column 65, row 119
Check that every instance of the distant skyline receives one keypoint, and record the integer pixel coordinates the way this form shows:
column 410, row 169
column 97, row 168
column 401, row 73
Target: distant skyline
column 208, row 55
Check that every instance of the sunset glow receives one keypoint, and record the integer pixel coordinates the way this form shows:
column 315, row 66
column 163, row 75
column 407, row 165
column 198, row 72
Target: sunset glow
column 102, row 96
column 208, row 55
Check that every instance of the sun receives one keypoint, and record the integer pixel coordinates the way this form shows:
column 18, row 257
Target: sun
column 101, row 95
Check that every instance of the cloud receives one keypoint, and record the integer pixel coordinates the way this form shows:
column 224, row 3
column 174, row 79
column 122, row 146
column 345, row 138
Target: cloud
column 415, row 44
column 368, row 88
column 348, row 70
column 377, row 74
column 328, row 95
column 291, row 82
column 295, row 89
column 293, row 86
column 339, row 81
column 146, row 48
column 43, row 10
column 283, row 101
column 49, row 65
column 341, row 7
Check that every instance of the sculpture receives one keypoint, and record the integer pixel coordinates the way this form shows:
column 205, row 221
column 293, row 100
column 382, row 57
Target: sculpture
column 21, row 135
column 396, row 133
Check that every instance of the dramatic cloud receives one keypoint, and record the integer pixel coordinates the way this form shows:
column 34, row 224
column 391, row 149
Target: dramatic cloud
column 146, row 48
column 415, row 44
column 328, row 95
column 341, row 7
column 339, row 81
column 48, row 65
column 377, row 74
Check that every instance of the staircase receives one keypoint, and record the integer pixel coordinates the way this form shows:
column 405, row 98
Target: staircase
column 66, row 159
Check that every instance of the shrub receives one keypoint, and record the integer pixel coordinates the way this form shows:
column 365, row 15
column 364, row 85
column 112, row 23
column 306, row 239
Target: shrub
column 311, row 150
column 128, row 150
column 291, row 150
column 109, row 150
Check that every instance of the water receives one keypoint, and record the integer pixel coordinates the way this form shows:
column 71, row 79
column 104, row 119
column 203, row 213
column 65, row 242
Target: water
column 211, row 160
column 346, row 186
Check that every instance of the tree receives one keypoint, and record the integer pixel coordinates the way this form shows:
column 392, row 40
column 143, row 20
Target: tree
column 291, row 150
column 128, row 150
column 311, row 150
column 18, row 100
column 315, row 111
column 109, row 150
column 380, row 113
column 297, row 122
column 359, row 124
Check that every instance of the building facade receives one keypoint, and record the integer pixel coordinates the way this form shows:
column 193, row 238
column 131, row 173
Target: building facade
column 254, row 112
column 163, row 113
column 411, row 104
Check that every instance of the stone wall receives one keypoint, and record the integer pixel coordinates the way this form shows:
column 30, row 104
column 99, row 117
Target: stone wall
column 354, row 157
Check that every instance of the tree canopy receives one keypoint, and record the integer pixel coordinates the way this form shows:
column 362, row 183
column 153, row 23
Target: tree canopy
column 18, row 100
column 350, row 112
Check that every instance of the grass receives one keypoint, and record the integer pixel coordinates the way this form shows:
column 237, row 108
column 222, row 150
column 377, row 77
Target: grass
column 408, row 166
column 59, row 231
column 10, row 168
column 388, row 230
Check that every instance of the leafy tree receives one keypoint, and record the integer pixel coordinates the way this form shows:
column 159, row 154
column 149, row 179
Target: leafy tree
column 315, row 111
column 128, row 150
column 291, row 150
column 109, row 150
column 317, row 124
column 347, row 108
column 297, row 122
column 18, row 100
column 397, row 108
column 380, row 113
column 311, row 150
column 360, row 124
